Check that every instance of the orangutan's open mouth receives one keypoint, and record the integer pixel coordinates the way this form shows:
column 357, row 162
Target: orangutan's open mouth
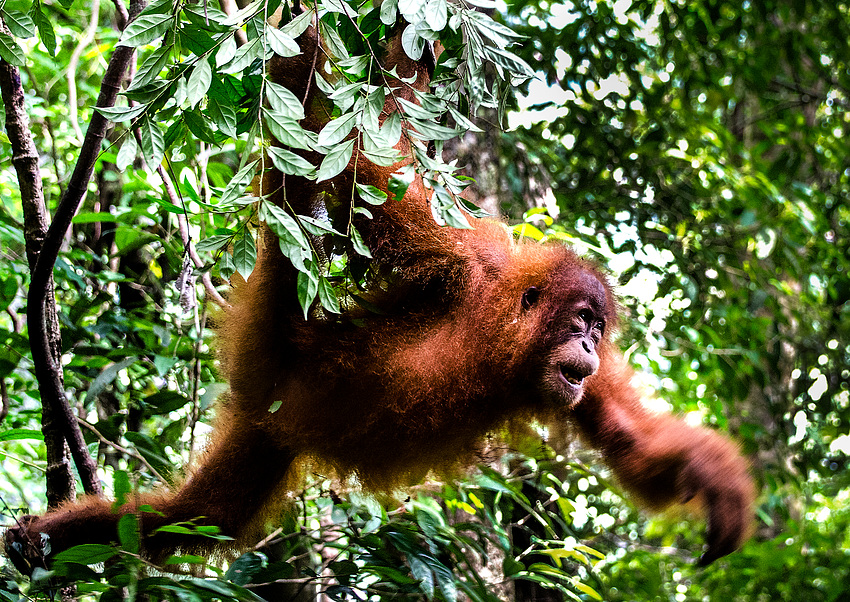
column 573, row 377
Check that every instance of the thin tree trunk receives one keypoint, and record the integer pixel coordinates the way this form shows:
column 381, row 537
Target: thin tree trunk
column 60, row 479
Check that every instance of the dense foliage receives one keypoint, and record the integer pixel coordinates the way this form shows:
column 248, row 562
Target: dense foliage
column 695, row 148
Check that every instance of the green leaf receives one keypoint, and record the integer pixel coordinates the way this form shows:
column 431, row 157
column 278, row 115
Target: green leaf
column 152, row 142
column 371, row 194
column 333, row 41
column 243, row 569
column 509, row 61
column 290, row 163
column 391, row 130
column 89, row 553
column 146, row 28
column 428, row 130
column 198, row 125
column 445, row 579
column 223, row 115
column 237, row 185
column 355, row 64
column 327, row 296
column 497, row 33
column 185, row 559
column 337, row 129
column 119, row 114
column 106, row 376
column 317, row 227
column 45, row 28
column 163, row 402
column 373, row 109
column 436, row 14
column 409, row 10
column 213, row 243
column 585, row 589
column 284, row 225
column 421, row 572
column 122, row 488
column 379, row 155
column 445, row 209
column 180, row 529
column 176, row 133
column 20, row 24
column 322, row 84
column 412, row 43
column 158, row 7
column 286, row 130
column 338, row 6
column 93, row 218
column 225, row 266
column 198, row 82
column 244, row 254
column 298, row 25
column 10, row 51
column 295, row 252
column 14, row 434
column 226, row 52
column 400, row 181
column 217, row 587
column 511, row 566
column 359, row 245
column 389, row 9
column 244, row 56
column 462, row 121
column 346, row 92
column 128, row 533
column 411, row 109
column 127, row 153
column 151, row 450
column 284, row 101
column 281, row 43
column 308, row 286
column 335, row 161
column 362, row 211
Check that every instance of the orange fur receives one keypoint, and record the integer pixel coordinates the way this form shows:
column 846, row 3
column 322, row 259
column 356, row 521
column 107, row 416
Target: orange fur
column 474, row 331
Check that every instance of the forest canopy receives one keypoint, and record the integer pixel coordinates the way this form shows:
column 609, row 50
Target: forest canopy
column 694, row 149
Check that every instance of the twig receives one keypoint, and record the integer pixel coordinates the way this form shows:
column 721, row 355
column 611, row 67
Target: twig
column 266, row 540
column 200, row 324
column 120, row 448
column 17, row 321
column 4, row 400
column 71, row 73
column 312, row 71
column 20, row 460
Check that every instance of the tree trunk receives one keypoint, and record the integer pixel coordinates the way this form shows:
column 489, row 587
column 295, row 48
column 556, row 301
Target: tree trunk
column 60, row 480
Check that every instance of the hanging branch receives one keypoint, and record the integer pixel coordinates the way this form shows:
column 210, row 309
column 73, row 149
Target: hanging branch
column 48, row 369
column 59, row 477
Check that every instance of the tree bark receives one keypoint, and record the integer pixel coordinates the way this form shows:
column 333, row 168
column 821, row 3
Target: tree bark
column 60, row 479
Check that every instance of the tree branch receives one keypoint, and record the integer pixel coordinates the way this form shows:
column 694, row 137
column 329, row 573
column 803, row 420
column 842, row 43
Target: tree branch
column 59, row 478
column 47, row 367
column 120, row 448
